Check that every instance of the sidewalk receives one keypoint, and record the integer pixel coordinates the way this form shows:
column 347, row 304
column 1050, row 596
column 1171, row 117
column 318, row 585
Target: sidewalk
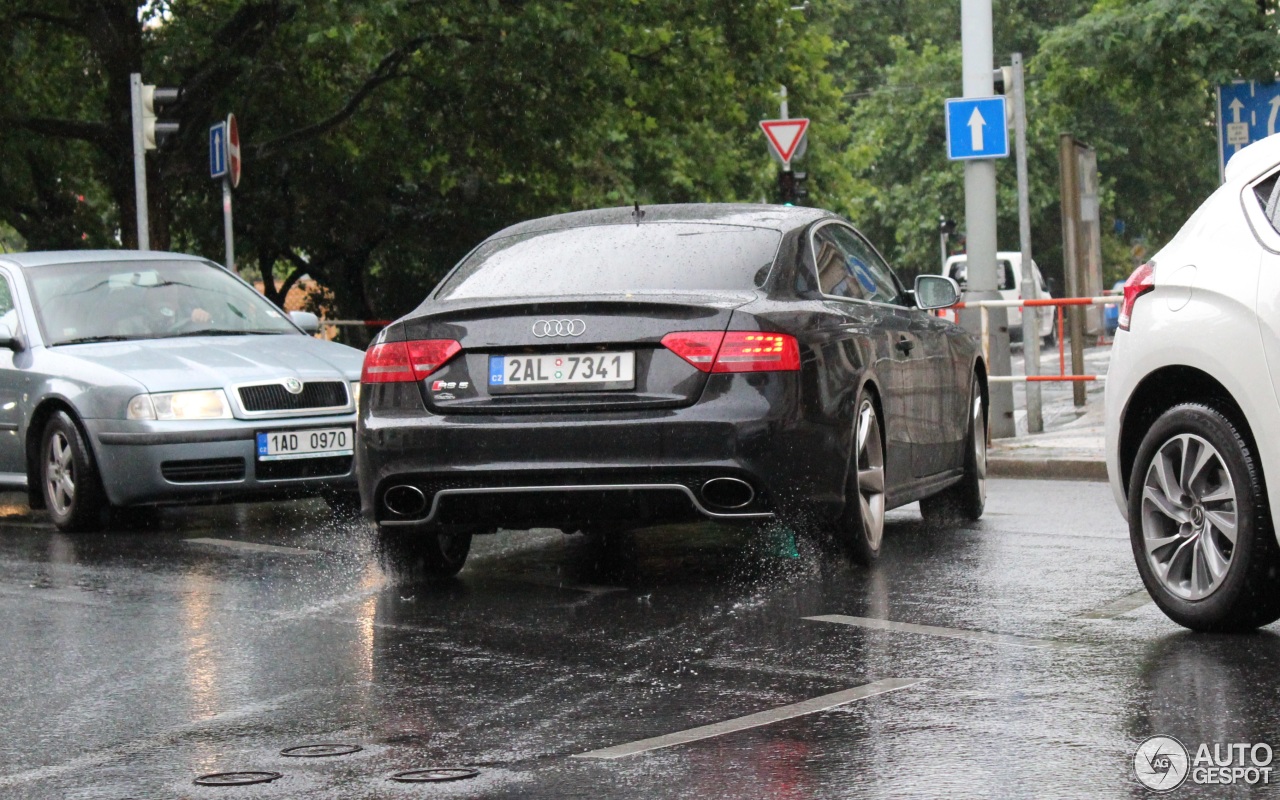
column 1071, row 447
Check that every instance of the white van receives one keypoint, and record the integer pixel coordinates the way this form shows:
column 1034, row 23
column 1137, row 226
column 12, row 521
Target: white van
column 1009, row 284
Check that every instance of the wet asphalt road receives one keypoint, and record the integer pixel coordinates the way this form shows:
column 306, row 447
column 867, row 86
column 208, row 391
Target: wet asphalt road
column 137, row 660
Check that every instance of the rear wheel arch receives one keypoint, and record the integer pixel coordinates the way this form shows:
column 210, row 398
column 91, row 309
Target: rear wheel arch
column 35, row 435
column 1162, row 390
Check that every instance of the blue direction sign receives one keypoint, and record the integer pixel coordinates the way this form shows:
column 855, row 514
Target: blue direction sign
column 218, row 150
column 1247, row 112
column 976, row 128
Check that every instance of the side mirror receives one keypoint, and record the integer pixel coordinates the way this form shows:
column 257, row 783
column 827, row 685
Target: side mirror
column 306, row 320
column 936, row 291
column 8, row 340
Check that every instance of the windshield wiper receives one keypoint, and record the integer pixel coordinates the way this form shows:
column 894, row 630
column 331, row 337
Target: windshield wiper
column 222, row 332
column 90, row 339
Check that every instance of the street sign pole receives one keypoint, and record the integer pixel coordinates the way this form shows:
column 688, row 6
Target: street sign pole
column 977, row 60
column 139, row 162
column 226, row 225
column 1030, row 286
column 224, row 163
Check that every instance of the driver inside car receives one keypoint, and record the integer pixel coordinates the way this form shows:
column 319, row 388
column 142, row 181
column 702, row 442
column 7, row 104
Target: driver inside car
column 164, row 310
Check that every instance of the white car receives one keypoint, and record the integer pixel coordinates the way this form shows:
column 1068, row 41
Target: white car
column 1009, row 284
column 1192, row 418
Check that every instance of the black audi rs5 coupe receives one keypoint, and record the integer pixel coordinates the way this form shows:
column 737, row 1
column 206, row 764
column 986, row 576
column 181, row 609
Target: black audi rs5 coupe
column 613, row 369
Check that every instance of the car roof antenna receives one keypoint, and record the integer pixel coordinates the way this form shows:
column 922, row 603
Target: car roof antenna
column 638, row 214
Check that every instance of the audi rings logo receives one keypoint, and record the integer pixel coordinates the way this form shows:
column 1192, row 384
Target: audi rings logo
column 544, row 328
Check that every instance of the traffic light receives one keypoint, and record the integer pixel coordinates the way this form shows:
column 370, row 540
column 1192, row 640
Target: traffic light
column 787, row 187
column 155, row 130
column 801, row 191
column 791, row 187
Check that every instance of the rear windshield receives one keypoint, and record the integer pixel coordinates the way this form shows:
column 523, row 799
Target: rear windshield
column 606, row 259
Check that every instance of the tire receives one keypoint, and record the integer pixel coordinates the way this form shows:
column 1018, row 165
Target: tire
column 1196, row 481
column 966, row 500
column 1052, row 338
column 69, row 478
column 428, row 553
column 859, row 530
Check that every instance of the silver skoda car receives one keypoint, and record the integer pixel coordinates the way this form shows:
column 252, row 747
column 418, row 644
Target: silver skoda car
column 131, row 378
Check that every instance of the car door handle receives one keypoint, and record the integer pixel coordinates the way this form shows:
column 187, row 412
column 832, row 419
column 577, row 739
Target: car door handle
column 905, row 344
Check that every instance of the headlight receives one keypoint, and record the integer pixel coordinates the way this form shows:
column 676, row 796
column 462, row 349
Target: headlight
column 206, row 404
column 355, row 395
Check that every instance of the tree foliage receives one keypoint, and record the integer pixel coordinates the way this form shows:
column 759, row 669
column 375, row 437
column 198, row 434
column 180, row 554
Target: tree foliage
column 385, row 138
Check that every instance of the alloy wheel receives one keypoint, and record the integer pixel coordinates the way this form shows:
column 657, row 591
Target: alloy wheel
column 60, row 473
column 1189, row 523
column 979, row 442
column 870, row 467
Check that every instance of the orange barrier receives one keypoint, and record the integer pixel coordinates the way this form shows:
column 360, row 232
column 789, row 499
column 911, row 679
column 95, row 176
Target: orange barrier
column 1060, row 304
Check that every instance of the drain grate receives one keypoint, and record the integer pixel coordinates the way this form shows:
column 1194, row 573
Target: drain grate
column 320, row 750
column 237, row 778
column 434, row 775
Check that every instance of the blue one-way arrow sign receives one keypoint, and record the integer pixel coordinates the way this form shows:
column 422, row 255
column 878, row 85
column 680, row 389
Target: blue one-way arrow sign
column 976, row 128
column 218, row 150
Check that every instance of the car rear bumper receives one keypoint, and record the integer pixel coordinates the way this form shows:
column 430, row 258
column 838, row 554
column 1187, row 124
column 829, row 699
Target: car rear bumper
column 148, row 463
column 740, row 456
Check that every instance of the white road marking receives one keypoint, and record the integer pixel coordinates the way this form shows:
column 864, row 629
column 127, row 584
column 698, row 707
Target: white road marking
column 1130, row 602
column 254, row 547
column 950, row 633
column 823, row 703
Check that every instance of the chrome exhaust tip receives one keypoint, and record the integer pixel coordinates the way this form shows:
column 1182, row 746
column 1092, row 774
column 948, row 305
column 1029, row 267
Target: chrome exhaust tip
column 728, row 493
column 404, row 500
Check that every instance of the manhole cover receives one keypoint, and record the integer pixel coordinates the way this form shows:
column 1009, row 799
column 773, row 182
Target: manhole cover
column 434, row 775
column 320, row 750
column 237, row 778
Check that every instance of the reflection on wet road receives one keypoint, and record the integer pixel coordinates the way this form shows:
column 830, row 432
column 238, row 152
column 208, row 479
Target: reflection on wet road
column 1012, row 658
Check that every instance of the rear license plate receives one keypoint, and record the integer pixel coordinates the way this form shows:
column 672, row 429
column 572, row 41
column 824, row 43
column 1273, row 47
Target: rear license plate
column 311, row 443
column 562, row 372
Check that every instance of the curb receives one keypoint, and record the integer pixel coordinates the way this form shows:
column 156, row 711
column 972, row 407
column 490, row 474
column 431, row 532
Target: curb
column 1061, row 469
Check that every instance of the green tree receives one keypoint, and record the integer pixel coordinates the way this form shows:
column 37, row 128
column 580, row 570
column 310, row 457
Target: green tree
column 384, row 138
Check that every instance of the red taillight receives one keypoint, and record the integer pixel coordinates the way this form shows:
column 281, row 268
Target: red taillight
column 735, row 351
column 757, row 352
column 699, row 348
column 1140, row 282
column 394, row 362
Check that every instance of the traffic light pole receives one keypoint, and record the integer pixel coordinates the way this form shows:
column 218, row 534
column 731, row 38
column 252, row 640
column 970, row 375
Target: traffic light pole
column 139, row 162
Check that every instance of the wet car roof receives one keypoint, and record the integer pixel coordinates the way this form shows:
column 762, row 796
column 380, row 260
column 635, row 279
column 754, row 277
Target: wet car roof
column 779, row 218
column 51, row 257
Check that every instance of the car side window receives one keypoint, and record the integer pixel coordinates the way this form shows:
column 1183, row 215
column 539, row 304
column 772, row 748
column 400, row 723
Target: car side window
column 834, row 277
column 864, row 269
column 8, row 313
column 1006, row 275
column 1267, row 192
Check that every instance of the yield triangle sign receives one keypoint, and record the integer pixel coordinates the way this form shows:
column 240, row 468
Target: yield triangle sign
column 785, row 135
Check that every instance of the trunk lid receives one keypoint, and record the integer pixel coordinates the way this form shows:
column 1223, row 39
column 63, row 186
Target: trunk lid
column 517, row 353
